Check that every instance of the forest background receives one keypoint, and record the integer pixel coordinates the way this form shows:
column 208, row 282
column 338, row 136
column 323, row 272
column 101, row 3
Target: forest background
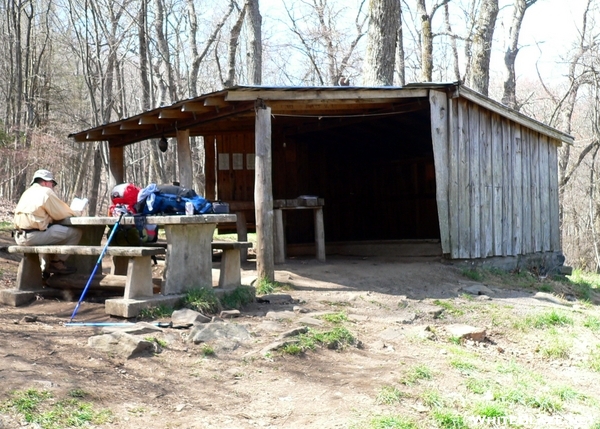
column 69, row 65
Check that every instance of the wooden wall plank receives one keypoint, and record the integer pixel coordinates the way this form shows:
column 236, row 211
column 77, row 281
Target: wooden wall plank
column 497, row 161
column 439, row 136
column 526, row 197
column 545, row 193
column 555, row 238
column 464, row 202
column 536, row 219
column 475, row 181
column 507, row 187
column 517, row 191
column 453, row 185
column 486, row 203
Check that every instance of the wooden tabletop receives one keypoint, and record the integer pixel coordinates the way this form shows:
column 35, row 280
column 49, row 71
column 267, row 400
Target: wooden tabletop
column 153, row 220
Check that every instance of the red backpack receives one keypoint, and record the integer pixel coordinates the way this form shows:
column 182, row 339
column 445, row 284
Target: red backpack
column 123, row 198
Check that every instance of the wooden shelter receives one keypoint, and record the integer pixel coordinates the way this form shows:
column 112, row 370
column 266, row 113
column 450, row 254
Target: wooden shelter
column 421, row 162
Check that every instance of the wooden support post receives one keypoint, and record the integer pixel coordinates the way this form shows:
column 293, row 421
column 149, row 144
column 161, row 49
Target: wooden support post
column 263, row 193
column 184, row 158
column 320, row 234
column 279, row 237
column 116, row 166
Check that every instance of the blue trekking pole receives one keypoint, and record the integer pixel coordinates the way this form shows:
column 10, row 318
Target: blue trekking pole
column 98, row 263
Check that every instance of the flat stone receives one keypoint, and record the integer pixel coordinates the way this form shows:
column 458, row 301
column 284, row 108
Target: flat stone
column 122, row 344
column 311, row 321
column 543, row 296
column 391, row 334
column 230, row 314
column 281, row 315
column 477, row 289
column 186, row 317
column 466, row 332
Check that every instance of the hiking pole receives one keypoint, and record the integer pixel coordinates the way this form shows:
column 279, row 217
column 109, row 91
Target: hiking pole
column 98, row 263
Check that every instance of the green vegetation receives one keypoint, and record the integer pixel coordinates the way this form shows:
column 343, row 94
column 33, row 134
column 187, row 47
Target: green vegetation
column 478, row 386
column 203, row 300
column 592, row 322
column 207, row 350
column 158, row 312
column 389, row 395
column 238, row 298
column 336, row 318
column 391, row 422
column 41, row 408
column 594, row 359
column 544, row 320
column 265, row 286
column 449, row 307
column 6, row 226
column 556, row 348
column 448, row 419
column 418, row 372
column 336, row 339
column 490, row 409
column 433, row 399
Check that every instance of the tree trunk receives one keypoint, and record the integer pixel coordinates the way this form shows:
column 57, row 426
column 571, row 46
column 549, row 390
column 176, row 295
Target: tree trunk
column 479, row 76
column 510, row 83
column 426, row 42
column 254, row 63
column 234, row 37
column 384, row 23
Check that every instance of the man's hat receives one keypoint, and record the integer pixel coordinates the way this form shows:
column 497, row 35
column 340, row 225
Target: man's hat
column 44, row 175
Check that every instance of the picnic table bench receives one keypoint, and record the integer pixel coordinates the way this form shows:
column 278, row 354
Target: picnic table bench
column 138, row 282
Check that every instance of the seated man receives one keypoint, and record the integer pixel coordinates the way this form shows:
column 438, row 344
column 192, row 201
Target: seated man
column 35, row 214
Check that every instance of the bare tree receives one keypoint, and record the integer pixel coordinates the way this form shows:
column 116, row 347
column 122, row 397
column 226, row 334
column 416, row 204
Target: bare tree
column 322, row 42
column 254, row 52
column 479, row 76
column 384, row 24
column 426, row 36
column 509, row 96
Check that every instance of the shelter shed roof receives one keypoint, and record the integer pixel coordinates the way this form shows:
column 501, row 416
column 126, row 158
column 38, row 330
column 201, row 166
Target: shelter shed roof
column 233, row 110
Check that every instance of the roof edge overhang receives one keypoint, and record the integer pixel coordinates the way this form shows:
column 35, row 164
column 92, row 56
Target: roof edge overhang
column 237, row 99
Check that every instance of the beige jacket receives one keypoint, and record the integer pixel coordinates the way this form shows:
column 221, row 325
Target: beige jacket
column 38, row 207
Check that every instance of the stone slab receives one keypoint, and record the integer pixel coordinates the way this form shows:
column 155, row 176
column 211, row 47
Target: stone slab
column 129, row 308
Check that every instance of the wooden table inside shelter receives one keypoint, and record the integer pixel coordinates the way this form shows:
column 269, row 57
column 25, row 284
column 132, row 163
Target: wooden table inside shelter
column 189, row 255
column 313, row 203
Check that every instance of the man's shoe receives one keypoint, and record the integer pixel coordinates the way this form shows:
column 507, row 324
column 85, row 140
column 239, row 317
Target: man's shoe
column 59, row 267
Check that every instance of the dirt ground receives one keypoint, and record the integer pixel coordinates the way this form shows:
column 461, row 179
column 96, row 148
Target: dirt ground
column 392, row 312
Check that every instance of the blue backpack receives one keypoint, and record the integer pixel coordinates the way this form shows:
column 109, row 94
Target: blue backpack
column 170, row 199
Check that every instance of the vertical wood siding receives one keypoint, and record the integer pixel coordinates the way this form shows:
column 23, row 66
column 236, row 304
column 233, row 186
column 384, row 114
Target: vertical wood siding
column 497, row 182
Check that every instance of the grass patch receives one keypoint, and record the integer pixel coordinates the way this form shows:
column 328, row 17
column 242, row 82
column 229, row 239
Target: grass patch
column 433, row 399
column 207, row 350
column 238, row 298
column 462, row 365
column 265, row 286
column 448, row 419
column 389, row 395
column 556, row 348
column 41, row 408
column 203, row 300
column 520, row 394
column 449, row 307
column 419, row 372
column 336, row 339
column 594, row 360
column 473, row 274
column 6, row 226
column 336, row 318
column 478, row 386
column 548, row 319
column 592, row 322
column 391, row 422
column 157, row 312
column 490, row 410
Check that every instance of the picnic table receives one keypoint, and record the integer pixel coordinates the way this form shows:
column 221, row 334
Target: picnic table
column 189, row 254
